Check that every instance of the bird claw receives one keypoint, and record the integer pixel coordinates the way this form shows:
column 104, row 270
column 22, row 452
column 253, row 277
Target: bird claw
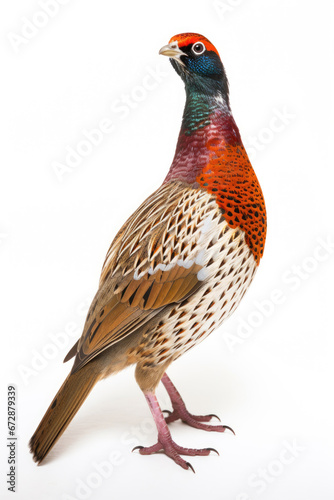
column 191, row 467
column 213, row 415
column 214, row 450
column 137, row 448
column 229, row 428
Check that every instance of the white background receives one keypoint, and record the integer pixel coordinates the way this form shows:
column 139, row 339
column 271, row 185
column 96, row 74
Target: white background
column 267, row 374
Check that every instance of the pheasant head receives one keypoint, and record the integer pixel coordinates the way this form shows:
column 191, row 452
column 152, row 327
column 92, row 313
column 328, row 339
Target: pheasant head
column 197, row 62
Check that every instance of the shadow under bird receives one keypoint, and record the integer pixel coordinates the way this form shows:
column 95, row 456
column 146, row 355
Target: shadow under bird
column 180, row 264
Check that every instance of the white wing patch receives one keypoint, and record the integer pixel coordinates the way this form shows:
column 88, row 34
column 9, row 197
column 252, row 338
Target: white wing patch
column 198, row 256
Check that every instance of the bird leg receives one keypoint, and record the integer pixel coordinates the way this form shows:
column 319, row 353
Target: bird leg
column 165, row 442
column 180, row 411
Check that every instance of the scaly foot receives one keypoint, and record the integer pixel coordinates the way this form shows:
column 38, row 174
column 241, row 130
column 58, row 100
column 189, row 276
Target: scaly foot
column 165, row 442
column 195, row 420
column 180, row 411
column 172, row 450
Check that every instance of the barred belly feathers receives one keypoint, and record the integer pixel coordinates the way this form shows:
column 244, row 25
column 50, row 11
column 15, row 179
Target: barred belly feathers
column 180, row 264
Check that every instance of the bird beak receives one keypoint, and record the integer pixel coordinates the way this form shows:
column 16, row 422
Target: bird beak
column 172, row 50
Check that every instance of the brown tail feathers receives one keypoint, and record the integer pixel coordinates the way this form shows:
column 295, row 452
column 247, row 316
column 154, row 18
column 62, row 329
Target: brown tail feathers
column 64, row 406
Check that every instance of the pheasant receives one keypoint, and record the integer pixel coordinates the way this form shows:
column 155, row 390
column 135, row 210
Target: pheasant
column 180, row 264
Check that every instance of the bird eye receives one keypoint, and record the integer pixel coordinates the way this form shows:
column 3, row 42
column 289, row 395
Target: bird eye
column 198, row 48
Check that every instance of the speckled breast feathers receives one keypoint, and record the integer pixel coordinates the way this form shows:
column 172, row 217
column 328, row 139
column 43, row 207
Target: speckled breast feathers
column 177, row 258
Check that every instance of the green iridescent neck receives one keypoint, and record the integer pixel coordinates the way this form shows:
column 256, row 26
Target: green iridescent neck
column 199, row 107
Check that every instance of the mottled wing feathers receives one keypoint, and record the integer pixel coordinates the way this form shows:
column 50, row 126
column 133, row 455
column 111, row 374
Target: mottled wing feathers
column 155, row 260
column 102, row 331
